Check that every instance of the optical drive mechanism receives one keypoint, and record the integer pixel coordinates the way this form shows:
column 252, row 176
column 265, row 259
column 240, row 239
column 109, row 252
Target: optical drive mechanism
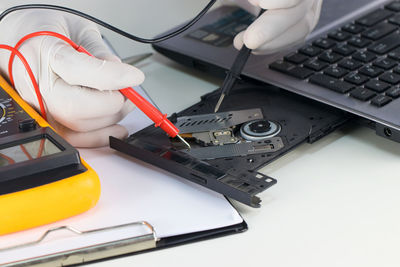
column 230, row 134
column 255, row 125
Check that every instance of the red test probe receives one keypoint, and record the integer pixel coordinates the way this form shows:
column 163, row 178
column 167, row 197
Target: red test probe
column 159, row 119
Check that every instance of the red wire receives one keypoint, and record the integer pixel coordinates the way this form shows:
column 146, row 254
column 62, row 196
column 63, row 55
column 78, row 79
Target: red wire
column 31, row 76
column 154, row 114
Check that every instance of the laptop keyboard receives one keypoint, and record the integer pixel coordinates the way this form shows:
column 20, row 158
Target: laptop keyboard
column 359, row 59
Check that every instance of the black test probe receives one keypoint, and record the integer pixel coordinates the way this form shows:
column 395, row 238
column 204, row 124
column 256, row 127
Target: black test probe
column 235, row 71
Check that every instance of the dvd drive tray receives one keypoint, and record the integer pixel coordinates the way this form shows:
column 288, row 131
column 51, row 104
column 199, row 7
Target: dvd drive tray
column 255, row 125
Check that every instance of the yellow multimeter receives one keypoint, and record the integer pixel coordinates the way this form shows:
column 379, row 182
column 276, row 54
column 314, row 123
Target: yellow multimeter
column 42, row 177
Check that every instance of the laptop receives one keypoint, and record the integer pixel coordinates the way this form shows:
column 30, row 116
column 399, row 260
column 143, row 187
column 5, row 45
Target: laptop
column 350, row 60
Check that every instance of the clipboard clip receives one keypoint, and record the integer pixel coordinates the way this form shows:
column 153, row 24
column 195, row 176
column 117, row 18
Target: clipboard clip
column 90, row 253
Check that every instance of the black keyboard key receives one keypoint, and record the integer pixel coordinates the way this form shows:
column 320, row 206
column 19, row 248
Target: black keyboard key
column 316, row 64
column 395, row 54
column 350, row 64
column 397, row 69
column 386, row 44
column 324, row 43
column 282, row 66
column 353, row 28
column 291, row 69
column 395, row 20
column 300, row 72
column 377, row 86
column 393, row 92
column 371, row 71
column 359, row 42
column 395, row 6
column 356, row 78
column 391, row 78
column 364, row 56
column 336, row 72
column 339, row 36
column 331, row 83
column 381, row 100
column 379, row 31
column 330, row 57
column 310, row 50
column 385, row 63
column 362, row 94
column 344, row 49
column 296, row 58
column 374, row 17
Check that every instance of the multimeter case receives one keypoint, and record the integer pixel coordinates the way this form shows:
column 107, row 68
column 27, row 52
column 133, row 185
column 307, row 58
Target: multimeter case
column 45, row 187
column 228, row 169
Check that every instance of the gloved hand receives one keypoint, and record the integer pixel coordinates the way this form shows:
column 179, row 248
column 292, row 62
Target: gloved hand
column 285, row 23
column 79, row 92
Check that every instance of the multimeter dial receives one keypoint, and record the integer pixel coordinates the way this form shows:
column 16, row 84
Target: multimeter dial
column 2, row 112
column 10, row 115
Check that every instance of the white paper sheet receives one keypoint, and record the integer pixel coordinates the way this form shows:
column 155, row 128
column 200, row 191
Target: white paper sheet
column 131, row 191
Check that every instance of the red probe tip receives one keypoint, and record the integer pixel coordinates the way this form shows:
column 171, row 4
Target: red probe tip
column 184, row 141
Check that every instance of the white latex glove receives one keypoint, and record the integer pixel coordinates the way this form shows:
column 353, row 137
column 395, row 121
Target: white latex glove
column 79, row 92
column 285, row 23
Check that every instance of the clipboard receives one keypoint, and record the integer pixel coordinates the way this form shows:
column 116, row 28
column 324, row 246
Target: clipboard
column 169, row 211
column 125, row 246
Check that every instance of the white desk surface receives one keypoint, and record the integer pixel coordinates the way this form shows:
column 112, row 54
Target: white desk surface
column 336, row 203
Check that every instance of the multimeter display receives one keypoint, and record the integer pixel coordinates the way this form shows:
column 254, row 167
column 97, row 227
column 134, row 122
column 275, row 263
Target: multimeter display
column 31, row 155
column 28, row 151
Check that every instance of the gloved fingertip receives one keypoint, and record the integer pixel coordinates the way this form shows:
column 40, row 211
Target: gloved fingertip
column 252, row 38
column 119, row 131
column 130, row 76
column 97, row 138
column 317, row 13
column 238, row 41
column 139, row 77
column 111, row 57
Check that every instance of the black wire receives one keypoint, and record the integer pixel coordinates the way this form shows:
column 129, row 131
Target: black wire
column 110, row 27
